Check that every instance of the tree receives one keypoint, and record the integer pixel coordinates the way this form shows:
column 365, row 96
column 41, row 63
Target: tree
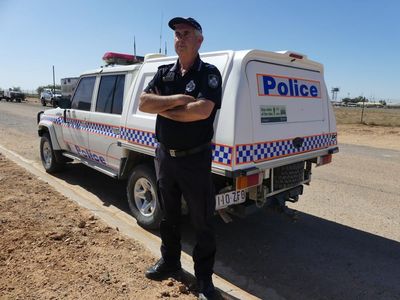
column 360, row 99
column 16, row 88
column 355, row 100
column 346, row 100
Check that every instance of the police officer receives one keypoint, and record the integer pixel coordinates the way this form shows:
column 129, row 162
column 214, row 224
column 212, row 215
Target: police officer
column 185, row 96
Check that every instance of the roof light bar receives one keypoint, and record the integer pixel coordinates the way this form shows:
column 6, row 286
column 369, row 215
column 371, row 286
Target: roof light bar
column 113, row 58
column 296, row 56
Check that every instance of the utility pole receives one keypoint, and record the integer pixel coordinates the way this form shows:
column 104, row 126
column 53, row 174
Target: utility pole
column 362, row 111
column 54, row 81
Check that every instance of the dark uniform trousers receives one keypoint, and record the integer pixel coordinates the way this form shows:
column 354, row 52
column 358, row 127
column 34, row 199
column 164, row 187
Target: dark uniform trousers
column 191, row 177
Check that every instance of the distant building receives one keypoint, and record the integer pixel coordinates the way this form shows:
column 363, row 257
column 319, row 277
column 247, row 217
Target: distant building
column 68, row 86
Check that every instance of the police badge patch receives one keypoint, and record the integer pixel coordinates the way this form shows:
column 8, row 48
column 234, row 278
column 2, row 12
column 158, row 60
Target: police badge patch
column 213, row 81
column 190, row 86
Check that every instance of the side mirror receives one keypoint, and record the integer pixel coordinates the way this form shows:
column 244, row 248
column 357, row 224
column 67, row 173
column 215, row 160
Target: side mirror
column 64, row 102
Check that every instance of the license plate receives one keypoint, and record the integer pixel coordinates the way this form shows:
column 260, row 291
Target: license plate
column 229, row 198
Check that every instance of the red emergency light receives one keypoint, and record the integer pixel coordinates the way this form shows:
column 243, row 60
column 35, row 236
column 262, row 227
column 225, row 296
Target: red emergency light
column 113, row 58
column 296, row 56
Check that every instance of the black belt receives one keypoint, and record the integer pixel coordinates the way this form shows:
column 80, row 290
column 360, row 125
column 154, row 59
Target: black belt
column 187, row 152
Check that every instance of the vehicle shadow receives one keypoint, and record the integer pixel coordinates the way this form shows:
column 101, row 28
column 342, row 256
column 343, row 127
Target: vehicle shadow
column 311, row 259
column 273, row 258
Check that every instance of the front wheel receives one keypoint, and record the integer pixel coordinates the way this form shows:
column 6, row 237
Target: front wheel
column 143, row 198
column 43, row 102
column 48, row 155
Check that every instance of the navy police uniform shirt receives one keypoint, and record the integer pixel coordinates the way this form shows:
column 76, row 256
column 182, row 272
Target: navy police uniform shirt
column 202, row 81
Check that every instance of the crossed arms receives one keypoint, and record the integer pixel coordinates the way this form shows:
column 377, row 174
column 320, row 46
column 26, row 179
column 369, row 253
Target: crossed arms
column 180, row 107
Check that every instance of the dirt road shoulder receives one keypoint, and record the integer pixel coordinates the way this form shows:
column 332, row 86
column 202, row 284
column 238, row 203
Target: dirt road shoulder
column 371, row 136
column 53, row 249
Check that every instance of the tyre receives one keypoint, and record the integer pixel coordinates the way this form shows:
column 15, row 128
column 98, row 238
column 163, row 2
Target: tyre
column 53, row 103
column 43, row 102
column 143, row 197
column 49, row 158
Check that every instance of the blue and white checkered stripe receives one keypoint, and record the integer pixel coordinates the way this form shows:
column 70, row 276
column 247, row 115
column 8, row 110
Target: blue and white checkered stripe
column 244, row 154
column 270, row 150
column 222, row 154
column 49, row 118
column 72, row 123
column 101, row 129
column 139, row 137
column 83, row 125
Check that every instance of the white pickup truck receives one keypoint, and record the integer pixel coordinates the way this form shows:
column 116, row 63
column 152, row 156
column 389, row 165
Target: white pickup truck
column 50, row 96
column 275, row 122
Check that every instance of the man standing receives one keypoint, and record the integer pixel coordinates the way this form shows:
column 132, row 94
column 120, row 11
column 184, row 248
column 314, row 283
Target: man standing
column 185, row 96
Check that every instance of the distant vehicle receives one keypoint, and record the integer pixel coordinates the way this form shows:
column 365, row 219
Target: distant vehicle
column 334, row 103
column 11, row 95
column 351, row 104
column 50, row 96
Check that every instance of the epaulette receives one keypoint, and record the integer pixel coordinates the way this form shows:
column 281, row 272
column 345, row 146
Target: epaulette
column 209, row 66
column 165, row 66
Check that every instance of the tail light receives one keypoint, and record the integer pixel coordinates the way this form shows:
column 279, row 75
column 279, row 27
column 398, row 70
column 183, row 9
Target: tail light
column 244, row 182
column 323, row 160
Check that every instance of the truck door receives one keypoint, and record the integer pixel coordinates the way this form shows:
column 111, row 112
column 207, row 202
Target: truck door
column 106, row 120
column 286, row 101
column 75, row 126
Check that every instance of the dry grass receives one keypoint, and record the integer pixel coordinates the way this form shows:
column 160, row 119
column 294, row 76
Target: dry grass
column 372, row 116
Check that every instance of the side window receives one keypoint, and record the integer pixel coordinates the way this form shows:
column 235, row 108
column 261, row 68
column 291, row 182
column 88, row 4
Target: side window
column 83, row 95
column 111, row 94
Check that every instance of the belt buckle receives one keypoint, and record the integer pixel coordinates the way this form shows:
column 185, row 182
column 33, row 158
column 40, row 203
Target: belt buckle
column 172, row 152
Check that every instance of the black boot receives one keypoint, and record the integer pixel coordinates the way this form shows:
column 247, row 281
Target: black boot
column 162, row 270
column 206, row 289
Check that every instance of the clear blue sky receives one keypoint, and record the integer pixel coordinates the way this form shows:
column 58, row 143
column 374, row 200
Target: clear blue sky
column 357, row 41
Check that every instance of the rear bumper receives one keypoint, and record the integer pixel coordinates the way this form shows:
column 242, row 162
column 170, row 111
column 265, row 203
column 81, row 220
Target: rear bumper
column 274, row 163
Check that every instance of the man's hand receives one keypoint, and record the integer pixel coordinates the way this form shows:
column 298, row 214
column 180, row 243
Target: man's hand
column 154, row 103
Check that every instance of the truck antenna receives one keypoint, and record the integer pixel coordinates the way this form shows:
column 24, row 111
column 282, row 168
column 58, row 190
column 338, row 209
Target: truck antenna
column 134, row 45
column 162, row 15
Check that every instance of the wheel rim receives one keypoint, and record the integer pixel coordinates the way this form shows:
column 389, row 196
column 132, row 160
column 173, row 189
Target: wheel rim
column 145, row 197
column 47, row 154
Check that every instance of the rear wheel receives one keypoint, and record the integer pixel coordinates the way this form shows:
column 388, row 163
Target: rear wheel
column 43, row 102
column 143, row 197
column 48, row 156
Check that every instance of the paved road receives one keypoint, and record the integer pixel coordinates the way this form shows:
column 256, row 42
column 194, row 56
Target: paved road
column 346, row 244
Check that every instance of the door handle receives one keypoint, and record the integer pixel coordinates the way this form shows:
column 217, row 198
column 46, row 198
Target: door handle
column 116, row 130
column 65, row 116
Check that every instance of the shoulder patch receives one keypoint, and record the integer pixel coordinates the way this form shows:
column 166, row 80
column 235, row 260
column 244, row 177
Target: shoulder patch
column 213, row 81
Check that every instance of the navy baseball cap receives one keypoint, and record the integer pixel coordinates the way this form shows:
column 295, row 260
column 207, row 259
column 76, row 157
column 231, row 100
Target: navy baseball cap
column 189, row 21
